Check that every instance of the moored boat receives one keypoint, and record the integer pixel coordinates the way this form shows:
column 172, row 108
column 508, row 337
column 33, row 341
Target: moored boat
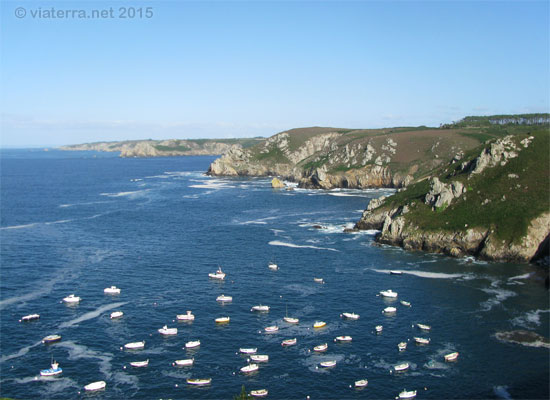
column 328, row 364
column 259, row 357
column 407, row 394
column 405, row 303
column 361, row 383
column 30, row 317
column 224, row 299
column 318, row 280
column 71, row 299
column 95, row 386
column 192, row 344
column 319, row 324
column 401, row 367
column 135, row 345
column 243, row 350
column 260, row 308
column 186, row 317
column 54, row 370
column 111, row 290
column 273, row 328
column 343, row 339
column 389, row 310
column 420, row 340
column 291, row 320
column 51, row 339
column 140, row 364
column 250, row 368
column 321, row 348
column 402, row 346
column 273, row 266
column 184, row 363
column 289, row 342
column 259, row 393
column 451, row 356
column 349, row 315
column 222, row 320
column 168, row 331
column 199, row 382
column 388, row 293
column 116, row 314
column 395, row 272
column 424, row 327
column 219, row 274
column 378, row 328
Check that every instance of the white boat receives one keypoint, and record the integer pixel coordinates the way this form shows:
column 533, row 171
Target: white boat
column 328, row 364
column 186, row 317
column 219, row 274
column 319, row 324
column 321, row 348
column 95, row 386
column 401, row 367
column 361, row 383
column 424, row 327
column 378, row 328
column 184, row 363
column 388, row 293
column 224, row 299
column 289, row 342
column 405, row 303
column 51, row 339
column 318, row 280
column 389, row 310
column 273, row 266
column 222, row 320
column 250, row 368
column 348, row 315
column 168, row 331
column 192, row 344
column 407, row 394
column 71, row 299
column 291, row 320
column 116, row 314
column 199, row 382
column 270, row 329
column 30, row 317
column 343, row 339
column 248, row 350
column 260, row 308
column 451, row 356
column 54, row 370
column 396, row 272
column 259, row 358
column 134, row 345
column 259, row 393
column 402, row 346
column 111, row 290
column 139, row 364
column 420, row 340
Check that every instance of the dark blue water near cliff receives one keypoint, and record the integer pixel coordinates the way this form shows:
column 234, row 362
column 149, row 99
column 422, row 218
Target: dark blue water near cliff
column 80, row 222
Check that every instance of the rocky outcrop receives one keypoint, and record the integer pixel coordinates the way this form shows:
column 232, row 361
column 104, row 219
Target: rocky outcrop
column 277, row 184
column 498, row 153
column 441, row 194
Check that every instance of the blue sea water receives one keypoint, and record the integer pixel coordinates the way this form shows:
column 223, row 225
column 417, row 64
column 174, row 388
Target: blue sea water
column 78, row 222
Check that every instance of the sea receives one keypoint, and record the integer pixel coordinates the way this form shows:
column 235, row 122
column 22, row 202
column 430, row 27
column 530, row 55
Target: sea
column 79, row 222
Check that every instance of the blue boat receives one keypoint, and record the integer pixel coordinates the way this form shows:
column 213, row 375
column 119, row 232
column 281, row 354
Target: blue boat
column 54, row 370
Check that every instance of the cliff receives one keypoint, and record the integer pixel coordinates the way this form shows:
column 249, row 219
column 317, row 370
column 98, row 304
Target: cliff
column 166, row 148
column 494, row 204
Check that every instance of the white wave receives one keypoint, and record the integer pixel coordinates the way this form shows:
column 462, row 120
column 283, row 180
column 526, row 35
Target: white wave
column 423, row 274
column 191, row 196
column 19, row 226
column 20, row 353
column 277, row 231
column 91, row 314
column 500, row 295
column 61, row 221
column 124, row 194
column 213, row 185
column 501, row 392
column 279, row 243
column 347, row 195
column 529, row 319
column 524, row 276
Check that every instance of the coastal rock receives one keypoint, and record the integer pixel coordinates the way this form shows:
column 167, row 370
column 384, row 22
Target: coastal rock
column 441, row 194
column 276, row 183
column 497, row 153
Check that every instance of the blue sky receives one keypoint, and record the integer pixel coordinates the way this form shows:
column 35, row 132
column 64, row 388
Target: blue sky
column 241, row 69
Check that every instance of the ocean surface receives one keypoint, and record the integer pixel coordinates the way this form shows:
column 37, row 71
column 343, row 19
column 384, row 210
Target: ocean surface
column 78, row 222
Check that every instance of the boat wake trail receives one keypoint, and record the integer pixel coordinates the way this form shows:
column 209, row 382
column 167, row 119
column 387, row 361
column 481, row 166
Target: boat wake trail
column 91, row 314
column 423, row 274
column 297, row 246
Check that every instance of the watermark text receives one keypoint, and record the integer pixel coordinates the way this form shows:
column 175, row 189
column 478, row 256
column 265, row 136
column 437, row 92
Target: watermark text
column 104, row 13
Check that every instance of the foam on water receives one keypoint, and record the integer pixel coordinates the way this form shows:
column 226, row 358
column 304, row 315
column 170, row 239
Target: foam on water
column 529, row 319
column 502, row 392
column 424, row 274
column 285, row 244
column 131, row 194
column 499, row 296
column 20, row 353
column 91, row 315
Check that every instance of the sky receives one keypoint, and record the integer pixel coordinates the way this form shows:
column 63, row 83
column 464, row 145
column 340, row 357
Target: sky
column 201, row 69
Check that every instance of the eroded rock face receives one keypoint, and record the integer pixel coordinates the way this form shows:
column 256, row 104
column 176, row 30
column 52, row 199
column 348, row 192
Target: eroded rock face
column 498, row 153
column 442, row 194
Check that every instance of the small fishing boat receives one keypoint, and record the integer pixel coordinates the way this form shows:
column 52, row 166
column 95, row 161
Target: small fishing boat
column 99, row 385
column 451, row 356
column 396, row 272
column 71, row 299
column 348, row 315
column 405, row 303
column 402, row 346
column 318, row 280
column 424, row 327
column 420, row 340
column 259, row 358
column 260, row 308
column 168, row 331
column 291, row 320
column 192, row 344
column 54, row 370
column 407, row 394
column 248, row 350
column 224, row 299
column 343, row 339
column 250, row 368
column 134, row 345
column 51, row 339
column 273, row 266
column 259, row 393
column 321, row 348
column 111, row 290
column 289, row 342
column 184, row 363
column 319, row 324
column 401, row 367
column 270, row 329
column 199, row 382
column 378, row 328
column 139, row 364
column 219, row 274
column 388, row 293
column 30, row 317
column 328, row 364
column 222, row 320
column 186, row 317
column 361, row 383
column 116, row 314
column 389, row 310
